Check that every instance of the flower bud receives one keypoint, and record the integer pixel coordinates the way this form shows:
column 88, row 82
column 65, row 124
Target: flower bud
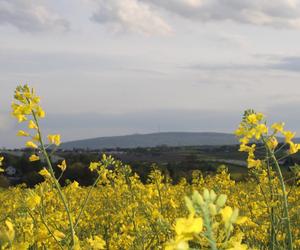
column 234, row 215
column 212, row 209
column 212, row 195
column 197, row 198
column 221, row 200
column 206, row 195
column 189, row 205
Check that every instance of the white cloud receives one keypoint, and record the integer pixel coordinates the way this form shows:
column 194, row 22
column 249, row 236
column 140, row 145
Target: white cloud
column 30, row 16
column 131, row 15
column 276, row 13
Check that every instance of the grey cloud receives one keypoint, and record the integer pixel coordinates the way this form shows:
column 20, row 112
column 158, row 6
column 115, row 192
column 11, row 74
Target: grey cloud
column 21, row 61
column 279, row 62
column 288, row 64
column 130, row 15
column 30, row 16
column 146, row 16
column 276, row 13
column 224, row 66
column 271, row 62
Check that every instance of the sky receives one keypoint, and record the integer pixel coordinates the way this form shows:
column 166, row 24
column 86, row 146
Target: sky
column 116, row 67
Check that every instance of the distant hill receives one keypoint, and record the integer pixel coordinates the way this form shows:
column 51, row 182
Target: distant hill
column 155, row 139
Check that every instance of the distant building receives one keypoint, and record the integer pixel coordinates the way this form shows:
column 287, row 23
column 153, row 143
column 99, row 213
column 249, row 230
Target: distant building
column 13, row 174
column 10, row 171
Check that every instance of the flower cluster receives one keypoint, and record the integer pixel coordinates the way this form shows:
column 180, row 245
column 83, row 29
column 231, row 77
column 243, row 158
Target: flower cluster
column 203, row 226
column 253, row 129
column 7, row 234
column 26, row 108
column 125, row 213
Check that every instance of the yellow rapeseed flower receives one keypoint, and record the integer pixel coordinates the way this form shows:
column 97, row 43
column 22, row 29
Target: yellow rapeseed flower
column 246, row 148
column 278, row 127
column 31, row 144
column 45, row 173
column 244, row 140
column 40, row 112
column 34, row 158
column 32, row 125
column 190, row 225
column 288, row 136
column 294, row 148
column 54, row 139
column 96, row 243
column 21, row 118
column 178, row 244
column 252, row 163
column 62, row 166
column 229, row 215
column 254, row 118
column 261, row 129
column 226, row 213
column 36, row 137
column 32, row 200
column 240, row 131
column 94, row 165
column 7, row 232
column 59, row 236
column 22, row 133
column 272, row 143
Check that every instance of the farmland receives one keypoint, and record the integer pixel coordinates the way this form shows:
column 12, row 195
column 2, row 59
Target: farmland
column 207, row 209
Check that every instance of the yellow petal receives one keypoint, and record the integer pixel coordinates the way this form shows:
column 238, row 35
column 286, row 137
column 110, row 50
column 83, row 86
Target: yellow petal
column 22, row 133
column 31, row 144
column 34, row 158
column 54, row 139
column 32, row 125
column 63, row 165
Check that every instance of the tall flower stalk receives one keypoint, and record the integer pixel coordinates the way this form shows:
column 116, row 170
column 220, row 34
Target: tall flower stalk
column 26, row 108
column 253, row 130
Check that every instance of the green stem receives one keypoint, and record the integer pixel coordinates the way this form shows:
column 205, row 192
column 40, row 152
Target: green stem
column 284, row 199
column 272, row 214
column 208, row 233
column 48, row 229
column 285, row 204
column 86, row 201
column 56, row 183
column 159, row 195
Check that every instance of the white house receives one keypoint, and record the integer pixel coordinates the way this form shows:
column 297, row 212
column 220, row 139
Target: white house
column 11, row 171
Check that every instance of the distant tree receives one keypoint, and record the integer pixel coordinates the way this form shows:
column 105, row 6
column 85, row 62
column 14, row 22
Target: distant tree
column 32, row 178
column 4, row 182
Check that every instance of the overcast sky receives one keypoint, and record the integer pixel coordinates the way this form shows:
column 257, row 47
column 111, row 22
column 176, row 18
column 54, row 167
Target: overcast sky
column 114, row 67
